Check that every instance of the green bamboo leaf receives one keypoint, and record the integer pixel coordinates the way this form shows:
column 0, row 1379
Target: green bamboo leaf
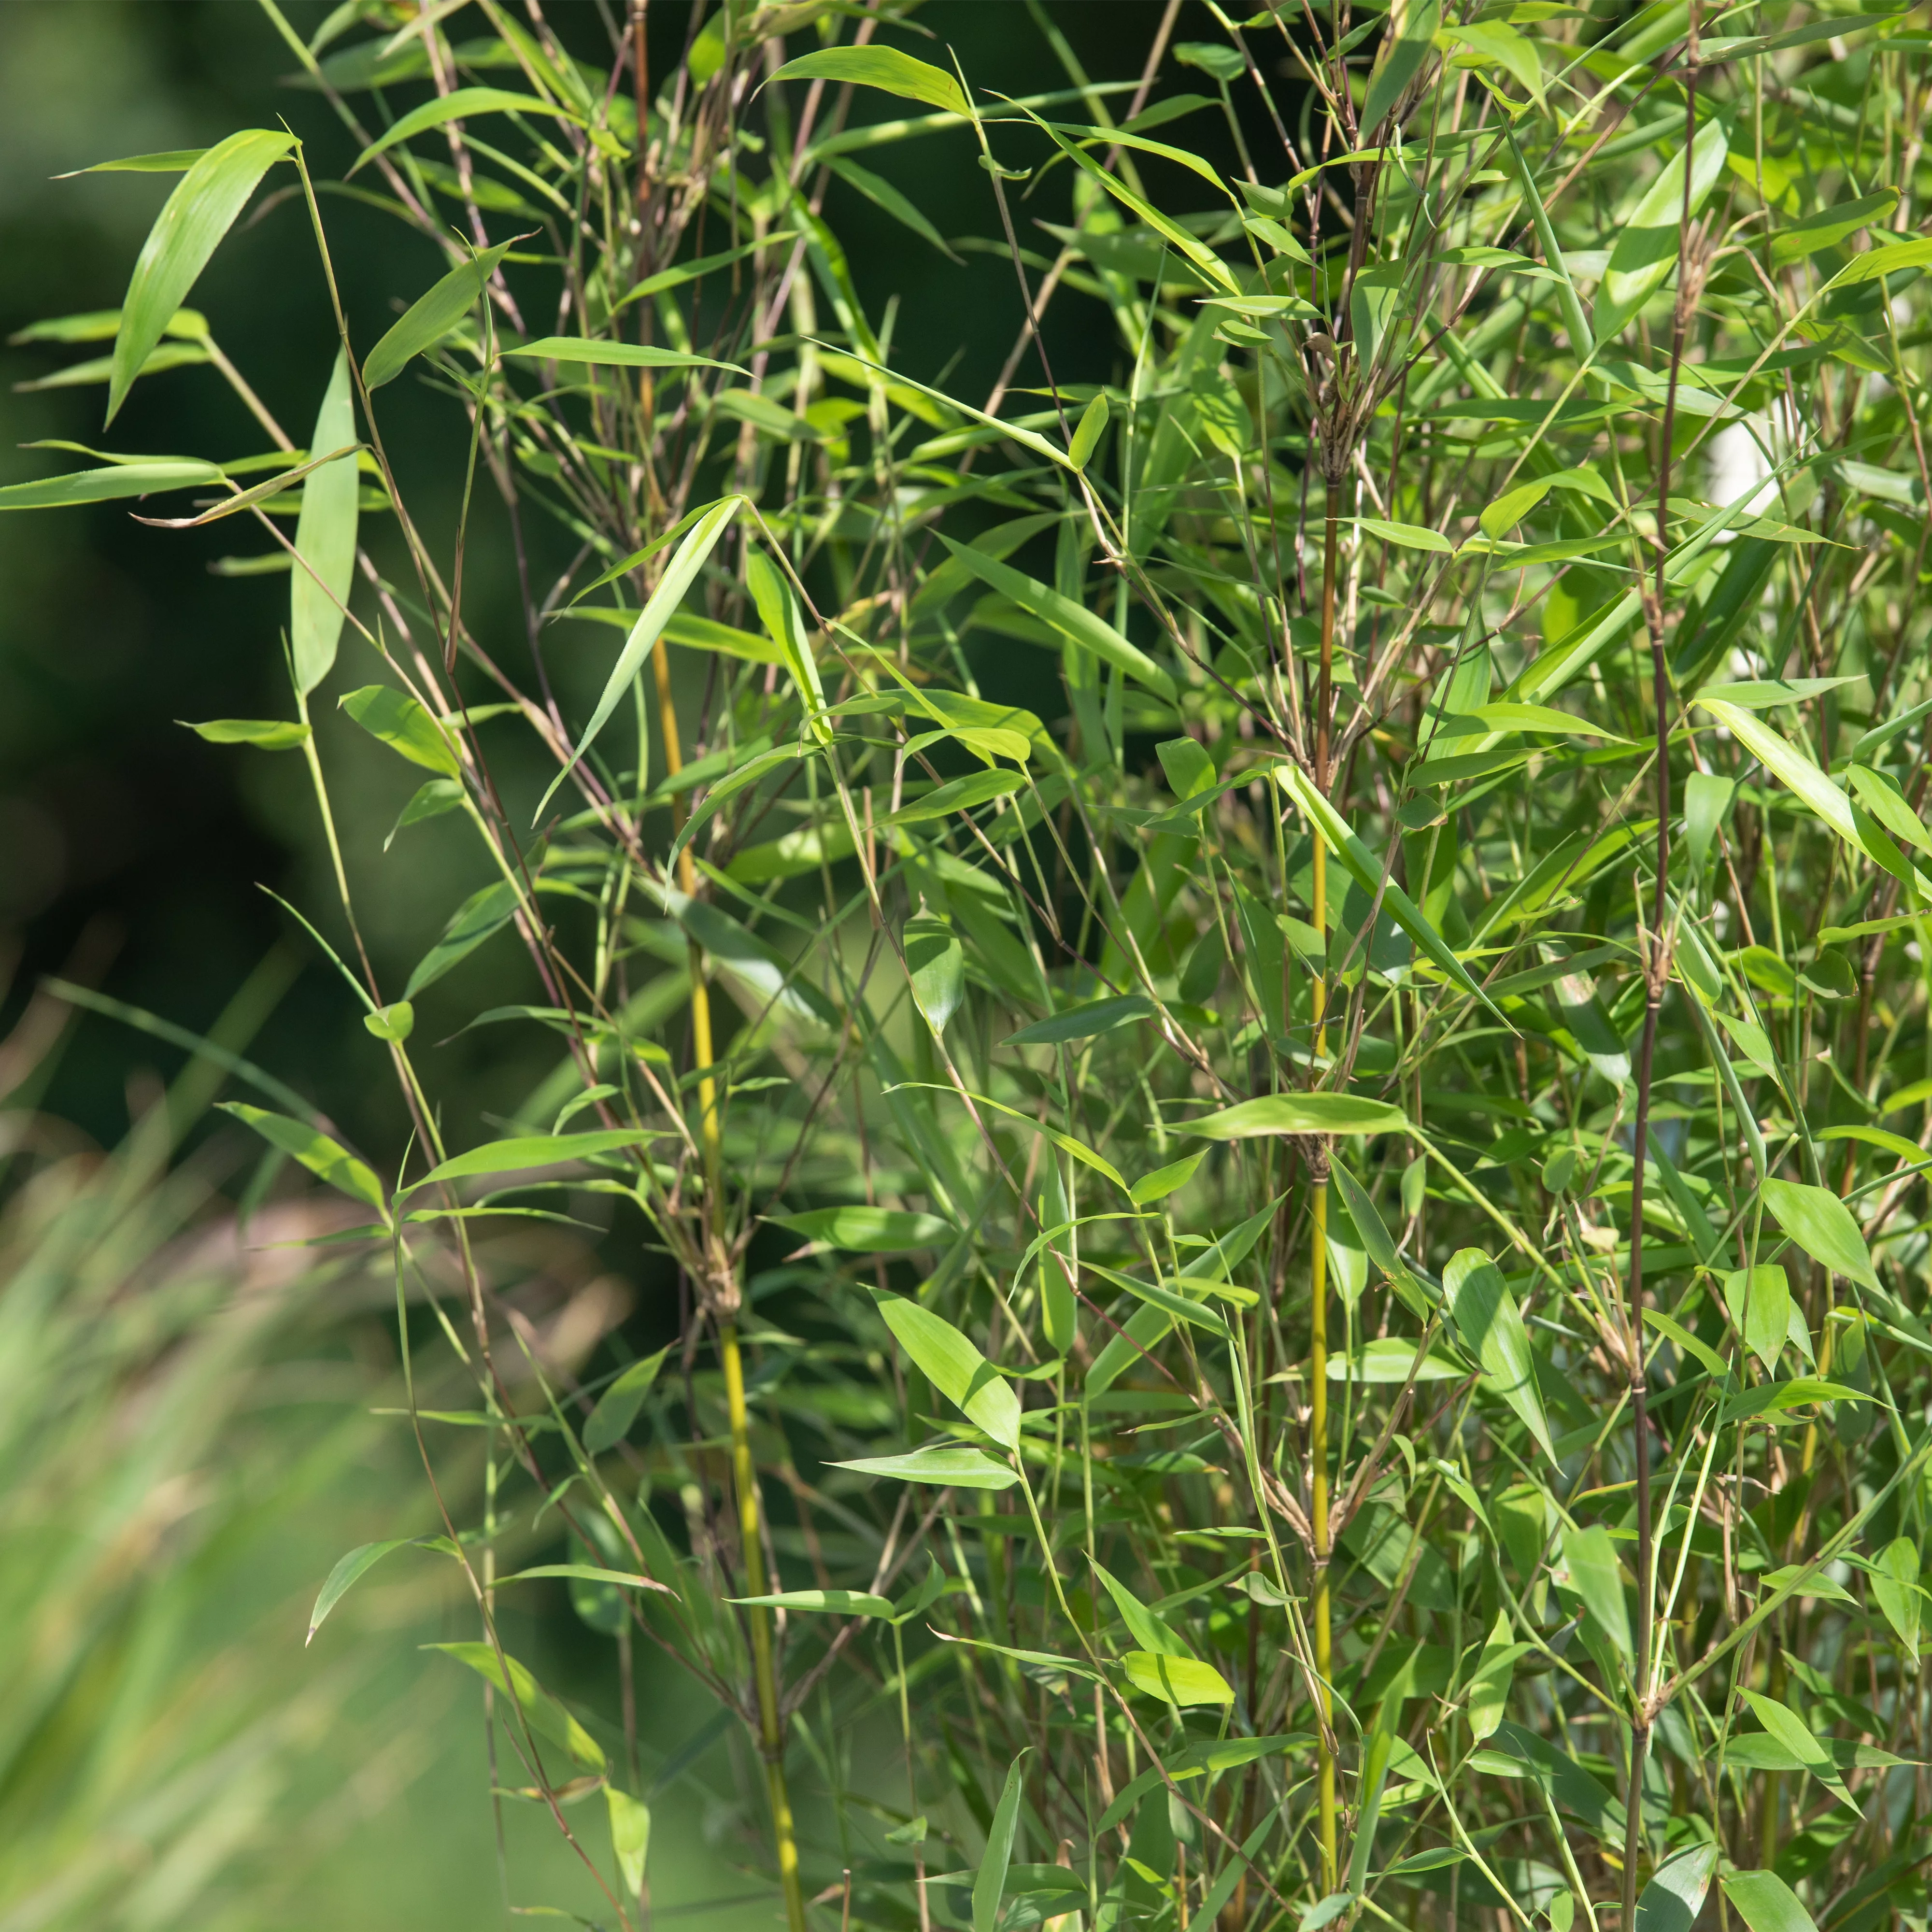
column 1821, row 1224
column 1407, row 536
column 680, row 573
column 1879, row 795
column 870, row 1231
column 1490, row 1688
column 1072, row 620
column 325, row 537
column 480, row 917
column 1765, row 1903
column 1759, row 1301
column 1770, row 694
column 887, row 69
column 1675, row 1894
column 102, row 486
column 394, row 1022
column 1895, row 1576
column 1873, row 266
column 1300, row 1114
column 1368, row 872
column 526, row 1152
column 1407, row 44
column 1490, row 1328
column 1184, row 1682
column 1506, row 716
column 352, row 1568
column 463, row 103
column 1777, row 1398
column 1066, row 1143
column 1091, row 427
column 268, row 734
column 1596, row 1575
column 1086, row 1022
column 989, row 1884
column 748, row 773
column 881, row 193
column 432, row 316
column 942, row 1467
column 954, row 1366
column 977, row 788
column 1830, row 226
column 188, row 230
column 936, row 965
column 1149, row 1631
column 1493, row 43
column 400, row 723
column 328, row 1160
column 1210, row 265
column 610, row 1422
column 838, row 1602
column 1820, row 792
column 1164, row 1180
column 630, row 1835
column 1646, row 247
column 546, row 1716
column 610, row 355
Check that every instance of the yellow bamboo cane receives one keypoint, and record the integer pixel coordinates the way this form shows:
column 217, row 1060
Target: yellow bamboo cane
column 721, row 1293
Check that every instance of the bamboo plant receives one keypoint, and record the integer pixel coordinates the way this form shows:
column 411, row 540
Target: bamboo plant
column 1304, row 1267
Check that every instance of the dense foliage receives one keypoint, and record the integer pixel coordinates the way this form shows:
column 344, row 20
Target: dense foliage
column 1302, row 1260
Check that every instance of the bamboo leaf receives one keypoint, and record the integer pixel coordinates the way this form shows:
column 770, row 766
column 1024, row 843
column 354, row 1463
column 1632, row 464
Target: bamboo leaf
column 891, row 71
column 400, row 722
column 267, row 734
column 102, row 486
column 328, row 1160
column 630, row 1835
column 686, row 562
column 839, row 1602
column 1646, row 247
column 1300, row 1114
column 942, row 1467
column 1821, row 1224
column 989, row 1884
column 462, row 104
column 546, row 1716
column 1072, row 620
column 1765, row 1903
column 1368, row 873
column 954, row 1366
column 190, row 228
column 1184, row 1682
column 350, row 1570
column 432, row 316
column 1677, row 1890
column 325, row 538
column 1895, row 1589
column 617, row 1407
column 527, row 1152
column 871, row 1231
column 604, row 355
column 1490, row 1328
column 1596, row 1575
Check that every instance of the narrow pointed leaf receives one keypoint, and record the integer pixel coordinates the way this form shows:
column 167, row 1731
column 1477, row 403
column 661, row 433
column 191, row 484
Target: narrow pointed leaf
column 188, row 230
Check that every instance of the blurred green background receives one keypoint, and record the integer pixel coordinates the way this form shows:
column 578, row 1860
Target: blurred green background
column 190, row 1407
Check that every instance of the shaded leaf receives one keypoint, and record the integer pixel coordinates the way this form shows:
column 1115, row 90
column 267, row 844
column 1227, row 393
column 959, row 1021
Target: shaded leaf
column 432, row 316
column 1490, row 1328
column 610, row 1422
